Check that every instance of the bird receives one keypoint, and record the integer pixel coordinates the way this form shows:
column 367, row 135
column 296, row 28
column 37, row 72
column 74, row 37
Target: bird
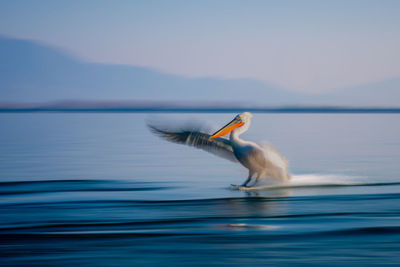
column 262, row 161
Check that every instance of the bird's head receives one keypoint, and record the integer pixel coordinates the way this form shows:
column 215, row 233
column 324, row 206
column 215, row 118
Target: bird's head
column 241, row 120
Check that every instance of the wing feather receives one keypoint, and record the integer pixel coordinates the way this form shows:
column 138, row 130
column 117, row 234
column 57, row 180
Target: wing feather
column 272, row 154
column 217, row 146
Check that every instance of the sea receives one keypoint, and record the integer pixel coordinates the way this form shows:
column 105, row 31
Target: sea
column 100, row 189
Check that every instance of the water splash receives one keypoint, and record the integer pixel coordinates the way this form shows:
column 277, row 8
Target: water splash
column 316, row 180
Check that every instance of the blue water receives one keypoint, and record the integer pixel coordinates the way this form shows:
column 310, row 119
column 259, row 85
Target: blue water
column 99, row 189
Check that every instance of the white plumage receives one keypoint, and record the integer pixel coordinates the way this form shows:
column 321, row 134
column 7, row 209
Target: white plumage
column 262, row 161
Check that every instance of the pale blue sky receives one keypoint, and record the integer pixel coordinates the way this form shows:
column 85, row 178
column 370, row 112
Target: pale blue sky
column 308, row 46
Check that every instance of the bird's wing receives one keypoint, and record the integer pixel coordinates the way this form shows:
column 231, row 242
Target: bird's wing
column 217, row 146
column 274, row 156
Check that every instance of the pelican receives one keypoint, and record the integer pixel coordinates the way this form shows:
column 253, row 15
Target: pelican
column 262, row 161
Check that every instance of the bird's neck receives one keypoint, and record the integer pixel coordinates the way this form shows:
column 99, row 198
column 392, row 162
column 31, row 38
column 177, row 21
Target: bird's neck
column 234, row 137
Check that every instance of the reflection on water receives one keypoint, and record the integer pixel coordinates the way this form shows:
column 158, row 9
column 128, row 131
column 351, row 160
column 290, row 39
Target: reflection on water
column 98, row 189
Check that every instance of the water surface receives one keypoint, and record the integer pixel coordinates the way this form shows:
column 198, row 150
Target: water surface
column 100, row 189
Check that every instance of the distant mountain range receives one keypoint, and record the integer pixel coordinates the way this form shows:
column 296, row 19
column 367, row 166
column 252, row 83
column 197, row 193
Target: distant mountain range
column 32, row 72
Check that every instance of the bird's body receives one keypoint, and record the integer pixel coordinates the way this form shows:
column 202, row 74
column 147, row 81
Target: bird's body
column 264, row 161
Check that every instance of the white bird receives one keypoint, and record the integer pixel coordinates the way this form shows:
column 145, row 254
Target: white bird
column 264, row 161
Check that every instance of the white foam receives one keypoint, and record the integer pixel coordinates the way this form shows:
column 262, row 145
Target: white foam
column 322, row 179
column 309, row 180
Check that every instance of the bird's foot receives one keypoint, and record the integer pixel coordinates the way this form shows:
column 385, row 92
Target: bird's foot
column 238, row 187
column 235, row 186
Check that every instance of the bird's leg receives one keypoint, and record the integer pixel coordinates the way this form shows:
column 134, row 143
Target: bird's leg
column 248, row 179
column 259, row 177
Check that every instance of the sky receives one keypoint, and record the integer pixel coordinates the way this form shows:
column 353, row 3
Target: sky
column 308, row 46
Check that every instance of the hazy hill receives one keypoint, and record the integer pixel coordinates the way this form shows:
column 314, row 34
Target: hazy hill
column 380, row 93
column 33, row 72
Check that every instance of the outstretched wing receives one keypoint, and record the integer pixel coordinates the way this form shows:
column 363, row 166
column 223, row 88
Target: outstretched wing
column 274, row 156
column 217, row 146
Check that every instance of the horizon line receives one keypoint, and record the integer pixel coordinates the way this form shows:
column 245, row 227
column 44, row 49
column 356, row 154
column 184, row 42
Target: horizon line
column 172, row 109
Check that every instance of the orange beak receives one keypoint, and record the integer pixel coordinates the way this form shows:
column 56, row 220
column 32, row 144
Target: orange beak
column 235, row 123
